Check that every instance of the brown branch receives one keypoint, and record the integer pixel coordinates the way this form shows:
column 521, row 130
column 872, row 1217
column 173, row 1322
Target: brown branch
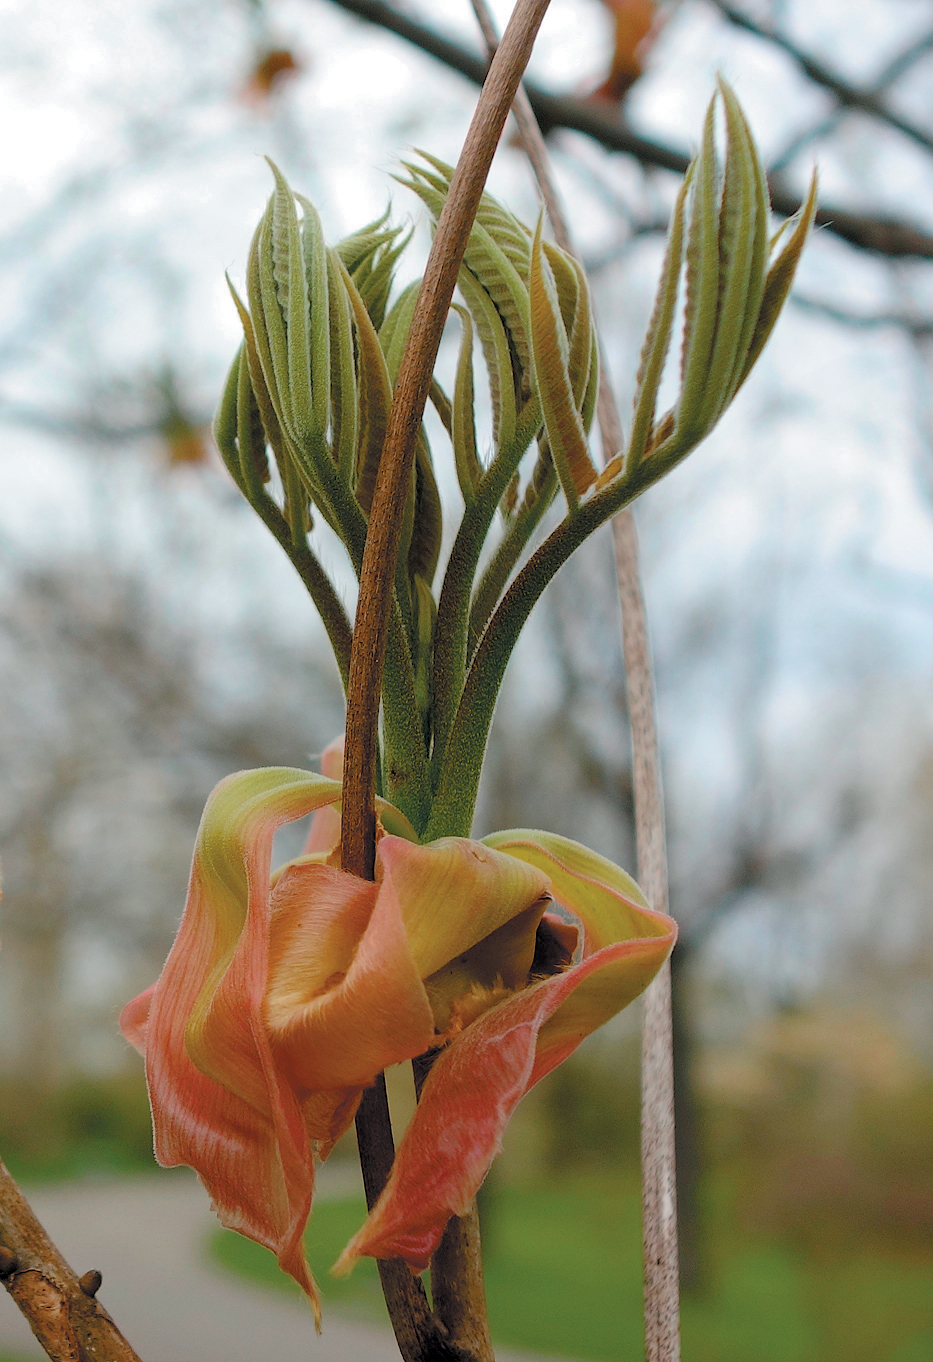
column 411, row 394
column 882, row 234
column 62, row 1309
column 461, row 1304
column 865, row 101
column 659, row 1197
column 416, row 1330
column 895, row 68
column 659, row 1191
column 918, row 327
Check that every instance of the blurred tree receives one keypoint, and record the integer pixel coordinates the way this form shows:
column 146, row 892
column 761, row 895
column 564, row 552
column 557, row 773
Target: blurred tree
column 111, row 737
column 789, row 647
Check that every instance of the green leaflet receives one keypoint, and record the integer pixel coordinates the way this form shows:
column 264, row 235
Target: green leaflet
column 251, row 440
column 506, row 287
column 426, row 527
column 742, row 235
column 269, row 331
column 760, row 249
column 702, row 294
column 344, row 392
column 315, row 275
column 497, row 354
column 442, row 405
column 731, row 304
column 551, row 353
column 566, row 282
column 511, row 234
column 370, row 256
column 273, row 321
column 658, row 337
column 425, row 612
column 494, row 283
column 591, row 395
column 266, row 408
column 224, row 425
column 778, row 282
column 428, row 523
column 463, row 421
column 303, row 441
column 584, row 351
column 288, row 274
column 375, row 395
column 281, row 245
column 393, row 334
column 501, row 265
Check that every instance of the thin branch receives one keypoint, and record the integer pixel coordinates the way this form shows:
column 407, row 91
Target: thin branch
column 417, row 1333
column 460, row 1264
column 902, row 63
column 659, row 1195
column 865, row 101
column 918, row 327
column 882, row 234
column 411, row 393
column 62, row 1309
column 891, row 73
column 315, row 581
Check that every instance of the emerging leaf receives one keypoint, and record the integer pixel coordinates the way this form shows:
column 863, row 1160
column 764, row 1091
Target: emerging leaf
column 731, row 302
column 494, row 284
column 552, row 354
column 463, row 423
column 370, row 256
column 778, row 282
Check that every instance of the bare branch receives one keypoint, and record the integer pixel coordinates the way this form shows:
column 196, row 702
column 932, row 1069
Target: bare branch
column 902, row 63
column 891, row 73
column 62, row 1309
column 918, row 327
column 866, row 101
column 461, row 1308
column 879, row 233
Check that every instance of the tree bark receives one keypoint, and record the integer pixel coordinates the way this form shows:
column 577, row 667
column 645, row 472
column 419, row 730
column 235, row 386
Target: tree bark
column 62, row 1309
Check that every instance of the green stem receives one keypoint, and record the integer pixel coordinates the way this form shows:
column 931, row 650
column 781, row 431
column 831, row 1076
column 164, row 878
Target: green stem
column 406, row 773
column 406, row 762
column 510, row 549
column 455, row 797
column 316, row 582
column 233, row 433
column 453, row 608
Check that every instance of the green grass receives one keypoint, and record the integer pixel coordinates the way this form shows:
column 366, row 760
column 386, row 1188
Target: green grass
column 563, row 1276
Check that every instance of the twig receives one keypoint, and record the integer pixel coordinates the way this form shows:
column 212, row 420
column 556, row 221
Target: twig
column 662, row 1286
column 62, row 1309
column 458, row 1267
column 902, row 63
column 878, row 233
column 866, row 101
column 918, row 327
column 659, row 1191
column 411, row 393
column 416, row 1330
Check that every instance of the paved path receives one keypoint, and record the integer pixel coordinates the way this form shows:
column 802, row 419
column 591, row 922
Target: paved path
column 147, row 1236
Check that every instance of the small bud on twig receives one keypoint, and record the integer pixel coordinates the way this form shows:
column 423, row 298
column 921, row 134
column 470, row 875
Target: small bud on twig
column 90, row 1282
column 8, row 1262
